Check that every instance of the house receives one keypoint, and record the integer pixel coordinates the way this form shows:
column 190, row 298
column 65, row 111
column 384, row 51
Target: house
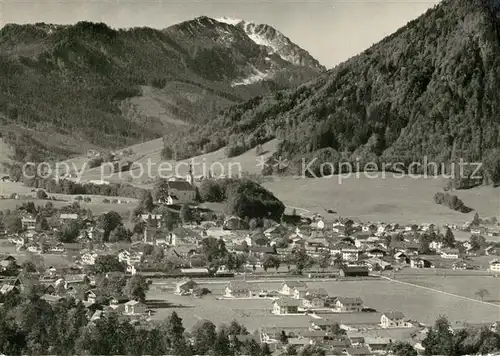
column 6, row 288
column 348, row 305
column 52, row 299
column 394, row 319
column 134, row 307
column 275, row 232
column 322, row 324
column 118, row 303
column 436, row 246
column 261, row 251
column 28, row 222
column 400, row 256
column 186, row 286
column 89, row 258
column 237, row 289
column 256, row 239
column 409, row 248
column 450, row 253
column 234, row 223
column 461, row 265
column 376, row 253
column 494, row 266
column 420, row 263
column 495, row 327
column 289, row 287
column 90, row 296
column 8, row 261
column 313, row 301
column 153, row 220
column 68, row 217
column 286, row 306
column 378, row 344
column 354, row 271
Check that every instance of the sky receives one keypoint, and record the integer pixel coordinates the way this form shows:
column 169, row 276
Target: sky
column 331, row 30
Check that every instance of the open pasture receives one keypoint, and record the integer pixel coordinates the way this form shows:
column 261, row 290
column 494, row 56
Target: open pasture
column 390, row 199
column 421, row 304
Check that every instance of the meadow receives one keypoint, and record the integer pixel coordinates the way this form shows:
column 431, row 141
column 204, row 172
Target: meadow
column 416, row 303
column 390, row 199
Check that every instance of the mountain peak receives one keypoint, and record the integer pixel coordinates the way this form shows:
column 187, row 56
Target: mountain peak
column 229, row 20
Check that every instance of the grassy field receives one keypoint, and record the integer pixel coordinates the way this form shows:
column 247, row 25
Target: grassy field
column 96, row 204
column 148, row 155
column 402, row 200
column 417, row 303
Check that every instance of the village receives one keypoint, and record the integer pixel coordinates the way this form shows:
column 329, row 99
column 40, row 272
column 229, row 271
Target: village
column 304, row 280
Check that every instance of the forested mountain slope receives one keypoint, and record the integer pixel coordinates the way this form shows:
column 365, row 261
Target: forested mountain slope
column 87, row 85
column 430, row 89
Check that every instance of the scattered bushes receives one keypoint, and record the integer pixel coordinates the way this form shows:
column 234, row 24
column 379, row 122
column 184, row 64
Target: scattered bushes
column 452, row 202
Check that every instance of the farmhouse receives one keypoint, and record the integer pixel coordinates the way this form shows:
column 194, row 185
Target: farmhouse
column 28, row 222
column 235, row 223
column 348, row 305
column 286, row 306
column 354, row 271
column 494, row 266
column 290, row 287
column 185, row 287
column 450, row 253
column 68, row 217
column 376, row 252
column 394, row 319
column 312, row 301
column 275, row 232
column 134, row 307
column 420, row 263
column 242, row 289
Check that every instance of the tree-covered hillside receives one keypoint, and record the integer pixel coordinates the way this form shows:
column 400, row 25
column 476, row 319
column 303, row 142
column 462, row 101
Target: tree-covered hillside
column 430, row 89
column 72, row 84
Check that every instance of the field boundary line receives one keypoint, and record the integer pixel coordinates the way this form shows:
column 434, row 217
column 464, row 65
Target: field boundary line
column 442, row 292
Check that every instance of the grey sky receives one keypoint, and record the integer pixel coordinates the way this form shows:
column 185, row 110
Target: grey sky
column 330, row 30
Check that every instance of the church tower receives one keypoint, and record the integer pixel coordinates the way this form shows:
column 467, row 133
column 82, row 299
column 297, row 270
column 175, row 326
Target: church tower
column 189, row 177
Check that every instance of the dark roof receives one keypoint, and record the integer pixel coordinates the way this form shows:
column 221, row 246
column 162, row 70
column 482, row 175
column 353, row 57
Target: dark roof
column 358, row 351
column 394, row 315
column 180, row 185
column 288, row 302
column 262, row 249
column 350, row 300
column 295, row 284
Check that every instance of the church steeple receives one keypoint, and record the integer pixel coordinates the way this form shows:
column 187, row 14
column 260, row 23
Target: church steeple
column 189, row 177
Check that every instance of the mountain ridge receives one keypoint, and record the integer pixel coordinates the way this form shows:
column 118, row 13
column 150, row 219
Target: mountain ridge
column 426, row 90
column 115, row 87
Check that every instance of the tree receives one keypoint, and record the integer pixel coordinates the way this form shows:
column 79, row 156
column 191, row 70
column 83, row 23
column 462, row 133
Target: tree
column 174, row 332
column 146, row 202
column 301, row 258
column 136, row 288
column 271, row 261
column 69, row 232
column 283, row 337
column 41, row 224
column 439, row 339
column 481, row 293
column 108, row 222
column 41, row 194
column 476, row 221
column 185, row 213
column 108, row 263
column 13, row 223
column 325, row 259
column 477, row 242
column 204, row 337
column 120, row 233
column 449, row 238
column 222, row 345
column 400, row 348
column 311, row 350
column 265, row 350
